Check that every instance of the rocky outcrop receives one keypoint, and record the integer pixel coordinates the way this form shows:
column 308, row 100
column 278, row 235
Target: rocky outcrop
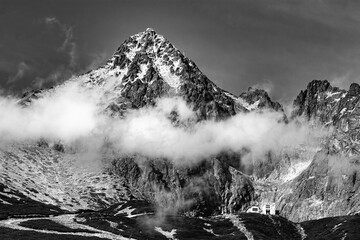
column 258, row 98
column 211, row 187
column 315, row 100
column 333, row 107
column 30, row 96
column 328, row 187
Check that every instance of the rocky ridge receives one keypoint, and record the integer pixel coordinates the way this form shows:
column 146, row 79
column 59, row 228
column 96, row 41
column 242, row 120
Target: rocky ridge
column 147, row 66
column 334, row 107
column 329, row 185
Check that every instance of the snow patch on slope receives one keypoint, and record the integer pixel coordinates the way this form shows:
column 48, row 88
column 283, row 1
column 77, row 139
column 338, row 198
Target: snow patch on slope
column 169, row 235
column 126, row 211
column 173, row 80
column 210, row 230
column 51, row 177
column 301, row 231
column 66, row 220
column 240, row 225
column 295, row 170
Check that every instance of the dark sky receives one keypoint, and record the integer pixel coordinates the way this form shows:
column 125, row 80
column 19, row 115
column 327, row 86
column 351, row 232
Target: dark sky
column 279, row 45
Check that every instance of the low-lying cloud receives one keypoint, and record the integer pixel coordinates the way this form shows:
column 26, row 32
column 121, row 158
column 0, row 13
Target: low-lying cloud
column 74, row 114
column 150, row 133
column 65, row 114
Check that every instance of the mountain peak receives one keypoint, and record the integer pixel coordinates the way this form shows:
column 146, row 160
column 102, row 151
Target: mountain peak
column 319, row 86
column 354, row 89
column 147, row 43
column 259, row 98
column 147, row 66
column 150, row 30
column 148, row 35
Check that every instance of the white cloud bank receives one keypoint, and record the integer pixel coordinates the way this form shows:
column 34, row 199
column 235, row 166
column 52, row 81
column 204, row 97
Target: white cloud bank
column 150, row 133
column 66, row 114
column 71, row 114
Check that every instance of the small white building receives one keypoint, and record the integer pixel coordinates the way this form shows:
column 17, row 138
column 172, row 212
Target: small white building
column 268, row 208
column 254, row 209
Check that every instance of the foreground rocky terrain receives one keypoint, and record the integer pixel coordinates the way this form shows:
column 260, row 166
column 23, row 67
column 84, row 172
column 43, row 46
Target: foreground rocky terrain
column 140, row 220
column 58, row 192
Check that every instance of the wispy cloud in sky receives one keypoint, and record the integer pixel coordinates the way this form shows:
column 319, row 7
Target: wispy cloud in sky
column 68, row 47
column 268, row 86
column 48, row 56
column 22, row 69
column 69, row 44
column 343, row 81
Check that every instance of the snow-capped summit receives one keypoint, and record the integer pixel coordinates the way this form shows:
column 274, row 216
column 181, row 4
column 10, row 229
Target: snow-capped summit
column 147, row 66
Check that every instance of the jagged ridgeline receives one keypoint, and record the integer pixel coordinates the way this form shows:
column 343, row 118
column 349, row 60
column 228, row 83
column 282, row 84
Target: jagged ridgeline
column 329, row 186
column 146, row 67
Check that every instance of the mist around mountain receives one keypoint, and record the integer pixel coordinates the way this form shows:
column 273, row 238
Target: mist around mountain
column 148, row 136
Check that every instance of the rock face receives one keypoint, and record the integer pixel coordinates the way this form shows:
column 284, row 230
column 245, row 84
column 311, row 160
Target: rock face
column 330, row 185
column 315, row 100
column 258, row 98
column 324, row 189
column 209, row 188
column 334, row 107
